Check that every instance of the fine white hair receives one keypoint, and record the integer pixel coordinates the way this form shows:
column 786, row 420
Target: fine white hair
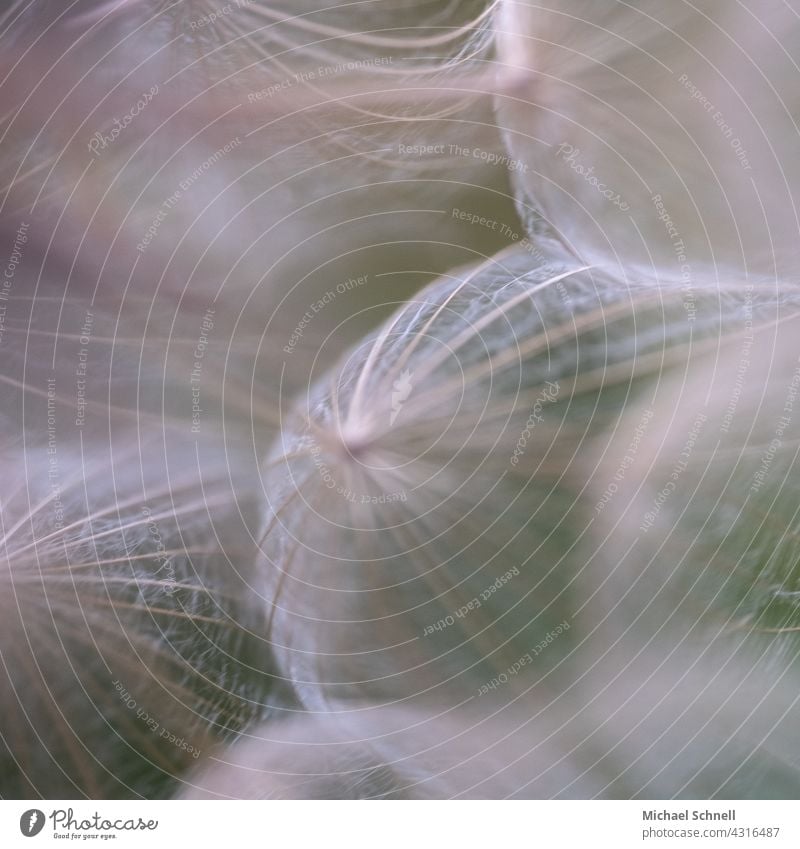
column 399, row 399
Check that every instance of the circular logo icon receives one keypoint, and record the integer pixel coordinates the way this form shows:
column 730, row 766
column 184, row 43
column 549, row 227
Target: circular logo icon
column 31, row 822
